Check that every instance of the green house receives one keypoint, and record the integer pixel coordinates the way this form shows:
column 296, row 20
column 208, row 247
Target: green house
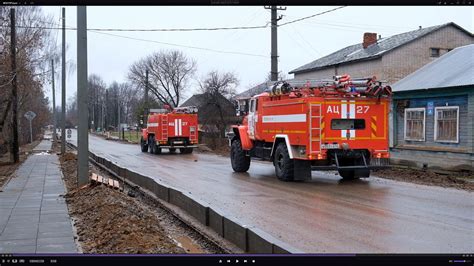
column 432, row 118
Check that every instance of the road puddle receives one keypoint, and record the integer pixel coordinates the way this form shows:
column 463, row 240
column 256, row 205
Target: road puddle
column 188, row 245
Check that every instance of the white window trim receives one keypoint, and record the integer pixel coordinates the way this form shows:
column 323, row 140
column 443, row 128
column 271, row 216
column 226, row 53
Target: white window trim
column 436, row 124
column 405, row 122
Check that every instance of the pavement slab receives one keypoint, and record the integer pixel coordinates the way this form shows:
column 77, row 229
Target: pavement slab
column 33, row 214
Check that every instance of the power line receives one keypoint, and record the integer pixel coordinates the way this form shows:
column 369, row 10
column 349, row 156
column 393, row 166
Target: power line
column 155, row 30
column 312, row 16
column 309, row 44
column 180, row 45
column 190, row 29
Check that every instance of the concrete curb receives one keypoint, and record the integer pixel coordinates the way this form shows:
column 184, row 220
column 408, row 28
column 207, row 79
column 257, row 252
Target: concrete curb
column 248, row 238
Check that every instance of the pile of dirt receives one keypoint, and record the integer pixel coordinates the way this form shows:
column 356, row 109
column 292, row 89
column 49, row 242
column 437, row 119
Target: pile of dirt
column 461, row 180
column 108, row 221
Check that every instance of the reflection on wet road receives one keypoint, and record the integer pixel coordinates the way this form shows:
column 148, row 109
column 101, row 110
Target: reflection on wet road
column 323, row 215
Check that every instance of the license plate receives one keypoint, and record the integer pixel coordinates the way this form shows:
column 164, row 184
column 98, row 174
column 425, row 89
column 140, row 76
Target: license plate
column 330, row 146
column 177, row 142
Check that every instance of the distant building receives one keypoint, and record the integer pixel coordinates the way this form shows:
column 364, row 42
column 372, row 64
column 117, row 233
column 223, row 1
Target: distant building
column 389, row 59
column 210, row 110
column 242, row 98
column 433, row 114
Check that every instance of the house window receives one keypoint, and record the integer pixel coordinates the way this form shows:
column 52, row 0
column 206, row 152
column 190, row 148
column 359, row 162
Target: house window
column 447, row 124
column 434, row 52
column 415, row 124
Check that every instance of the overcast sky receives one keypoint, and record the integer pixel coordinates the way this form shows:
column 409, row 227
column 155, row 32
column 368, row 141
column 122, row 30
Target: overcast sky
column 298, row 43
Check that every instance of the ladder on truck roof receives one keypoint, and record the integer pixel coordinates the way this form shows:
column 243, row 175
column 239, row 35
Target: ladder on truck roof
column 315, row 128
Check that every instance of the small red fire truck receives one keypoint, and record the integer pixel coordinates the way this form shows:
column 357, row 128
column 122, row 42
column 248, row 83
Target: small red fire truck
column 171, row 129
column 337, row 124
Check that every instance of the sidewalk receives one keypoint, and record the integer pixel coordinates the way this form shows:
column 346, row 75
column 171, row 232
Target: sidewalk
column 33, row 216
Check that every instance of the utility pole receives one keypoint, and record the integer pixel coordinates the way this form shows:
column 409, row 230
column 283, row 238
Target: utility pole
column 274, row 38
column 82, row 132
column 146, row 97
column 106, row 109
column 63, row 86
column 103, row 117
column 14, row 150
column 54, row 100
column 118, row 114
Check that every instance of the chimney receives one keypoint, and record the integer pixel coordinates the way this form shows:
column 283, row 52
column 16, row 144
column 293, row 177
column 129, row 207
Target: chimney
column 369, row 39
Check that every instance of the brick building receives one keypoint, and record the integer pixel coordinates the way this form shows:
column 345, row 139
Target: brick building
column 389, row 59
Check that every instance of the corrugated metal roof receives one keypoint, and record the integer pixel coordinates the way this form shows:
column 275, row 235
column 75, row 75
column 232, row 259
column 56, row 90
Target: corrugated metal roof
column 455, row 68
column 357, row 53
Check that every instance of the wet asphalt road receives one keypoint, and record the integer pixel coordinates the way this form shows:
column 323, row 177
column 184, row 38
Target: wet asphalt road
column 324, row 215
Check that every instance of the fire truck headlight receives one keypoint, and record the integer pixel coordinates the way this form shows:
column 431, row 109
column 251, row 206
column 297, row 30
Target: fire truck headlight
column 345, row 146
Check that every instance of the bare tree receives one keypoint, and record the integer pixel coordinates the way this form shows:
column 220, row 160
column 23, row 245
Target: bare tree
column 217, row 90
column 219, row 83
column 97, row 88
column 281, row 76
column 169, row 72
column 36, row 46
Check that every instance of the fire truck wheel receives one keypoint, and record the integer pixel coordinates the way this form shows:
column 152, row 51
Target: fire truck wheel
column 151, row 141
column 284, row 166
column 186, row 150
column 172, row 150
column 153, row 148
column 143, row 145
column 347, row 174
column 240, row 162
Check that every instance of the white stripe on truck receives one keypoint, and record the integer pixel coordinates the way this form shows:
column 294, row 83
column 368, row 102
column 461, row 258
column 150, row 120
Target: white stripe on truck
column 284, row 118
column 343, row 116
column 352, row 113
column 176, row 127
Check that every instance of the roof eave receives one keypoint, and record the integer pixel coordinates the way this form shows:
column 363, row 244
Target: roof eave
column 338, row 64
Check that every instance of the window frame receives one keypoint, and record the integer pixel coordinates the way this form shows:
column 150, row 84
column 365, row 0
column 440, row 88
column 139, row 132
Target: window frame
column 434, row 49
column 436, row 124
column 405, row 124
column 252, row 106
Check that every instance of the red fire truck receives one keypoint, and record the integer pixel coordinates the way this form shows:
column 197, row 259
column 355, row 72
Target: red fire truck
column 171, row 129
column 338, row 124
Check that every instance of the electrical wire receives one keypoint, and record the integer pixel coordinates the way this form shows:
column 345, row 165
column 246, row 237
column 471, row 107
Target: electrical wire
column 180, row 45
column 307, row 42
column 312, row 16
column 155, row 30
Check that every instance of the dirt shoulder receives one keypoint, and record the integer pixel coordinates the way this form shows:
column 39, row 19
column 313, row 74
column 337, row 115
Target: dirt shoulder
column 7, row 168
column 109, row 221
column 461, row 180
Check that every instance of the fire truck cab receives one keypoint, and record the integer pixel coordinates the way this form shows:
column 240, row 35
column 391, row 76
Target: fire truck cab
column 171, row 129
column 339, row 124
